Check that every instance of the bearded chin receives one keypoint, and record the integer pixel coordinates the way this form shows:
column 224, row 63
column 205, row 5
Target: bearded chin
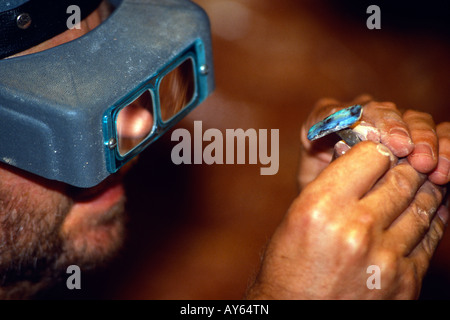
column 32, row 264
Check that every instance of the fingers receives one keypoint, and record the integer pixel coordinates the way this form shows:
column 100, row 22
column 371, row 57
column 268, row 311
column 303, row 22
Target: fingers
column 349, row 177
column 393, row 130
column 411, row 227
column 422, row 254
column 315, row 156
column 362, row 99
column 413, row 135
column 393, row 193
column 424, row 157
column 441, row 174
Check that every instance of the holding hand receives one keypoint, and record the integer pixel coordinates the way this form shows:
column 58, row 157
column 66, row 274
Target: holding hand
column 367, row 208
column 412, row 135
column 362, row 210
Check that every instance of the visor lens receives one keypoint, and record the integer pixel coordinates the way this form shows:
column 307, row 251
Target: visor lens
column 134, row 123
column 177, row 90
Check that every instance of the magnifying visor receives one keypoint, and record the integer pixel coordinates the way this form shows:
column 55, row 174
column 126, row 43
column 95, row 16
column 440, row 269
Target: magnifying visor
column 72, row 113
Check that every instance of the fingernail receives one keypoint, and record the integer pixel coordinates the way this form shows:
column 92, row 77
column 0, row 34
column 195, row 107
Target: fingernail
column 341, row 148
column 423, row 148
column 401, row 133
column 446, row 165
column 443, row 167
column 443, row 214
column 385, row 151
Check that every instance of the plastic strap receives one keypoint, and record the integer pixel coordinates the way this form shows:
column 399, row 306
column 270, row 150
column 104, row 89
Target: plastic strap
column 37, row 21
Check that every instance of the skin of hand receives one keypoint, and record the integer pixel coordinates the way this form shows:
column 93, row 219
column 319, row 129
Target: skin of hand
column 411, row 134
column 351, row 217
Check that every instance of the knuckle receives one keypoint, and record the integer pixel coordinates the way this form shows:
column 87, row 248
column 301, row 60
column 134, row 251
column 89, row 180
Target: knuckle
column 388, row 262
column 388, row 105
column 415, row 114
column 432, row 239
column 368, row 221
column 396, row 122
column 402, row 179
column 438, row 229
column 427, row 247
column 354, row 239
column 443, row 129
column 424, row 134
column 357, row 242
column 433, row 194
column 312, row 212
column 422, row 217
column 296, row 216
column 444, row 143
column 408, row 115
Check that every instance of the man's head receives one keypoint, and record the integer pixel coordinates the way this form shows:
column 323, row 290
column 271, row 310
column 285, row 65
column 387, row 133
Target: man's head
column 45, row 225
column 62, row 197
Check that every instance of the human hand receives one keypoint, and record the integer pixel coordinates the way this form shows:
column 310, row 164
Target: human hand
column 364, row 209
column 412, row 135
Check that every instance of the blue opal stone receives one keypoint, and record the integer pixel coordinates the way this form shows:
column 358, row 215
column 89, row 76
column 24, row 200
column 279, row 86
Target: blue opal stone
column 343, row 119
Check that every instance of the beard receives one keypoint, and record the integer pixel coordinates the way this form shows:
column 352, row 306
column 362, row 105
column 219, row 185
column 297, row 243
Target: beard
column 36, row 246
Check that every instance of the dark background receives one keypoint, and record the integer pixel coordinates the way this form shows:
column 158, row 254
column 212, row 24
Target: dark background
column 198, row 231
